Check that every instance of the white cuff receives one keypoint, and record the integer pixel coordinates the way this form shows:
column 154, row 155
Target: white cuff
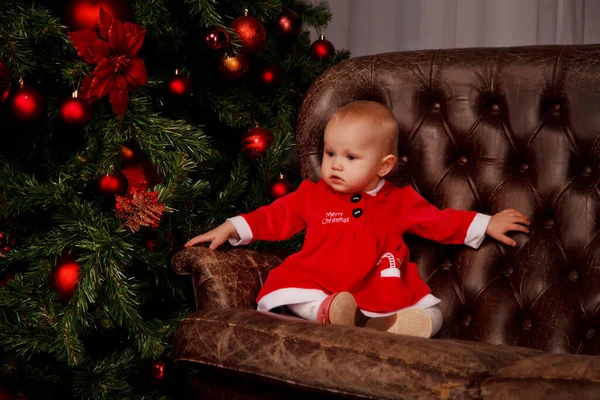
column 476, row 231
column 243, row 230
column 390, row 273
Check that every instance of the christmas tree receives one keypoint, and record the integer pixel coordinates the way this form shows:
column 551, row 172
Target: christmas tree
column 125, row 129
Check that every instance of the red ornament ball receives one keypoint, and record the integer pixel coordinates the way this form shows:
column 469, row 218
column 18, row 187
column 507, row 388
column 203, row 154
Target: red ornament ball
column 158, row 370
column 5, row 243
column 280, row 188
column 179, row 86
column 4, row 82
column 289, row 23
column 216, row 38
column 27, row 105
column 140, row 175
column 84, row 14
column 251, row 32
column 66, row 277
column 75, row 112
column 321, row 49
column 270, row 75
column 235, row 67
column 128, row 153
column 256, row 142
column 112, row 185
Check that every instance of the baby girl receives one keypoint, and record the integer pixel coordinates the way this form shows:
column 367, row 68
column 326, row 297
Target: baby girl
column 354, row 267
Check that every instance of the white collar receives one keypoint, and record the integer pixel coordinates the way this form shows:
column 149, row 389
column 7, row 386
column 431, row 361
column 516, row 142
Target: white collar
column 377, row 189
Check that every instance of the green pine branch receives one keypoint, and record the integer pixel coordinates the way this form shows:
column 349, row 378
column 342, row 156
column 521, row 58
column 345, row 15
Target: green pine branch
column 263, row 10
column 29, row 323
column 206, row 12
column 106, row 378
column 157, row 135
column 317, row 16
column 224, row 204
column 22, row 193
column 155, row 17
column 30, row 36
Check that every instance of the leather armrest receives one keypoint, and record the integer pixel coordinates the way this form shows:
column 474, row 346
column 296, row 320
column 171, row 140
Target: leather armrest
column 228, row 278
column 339, row 359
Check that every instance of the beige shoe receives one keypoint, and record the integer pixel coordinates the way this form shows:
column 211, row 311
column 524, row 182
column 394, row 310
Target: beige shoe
column 338, row 309
column 410, row 322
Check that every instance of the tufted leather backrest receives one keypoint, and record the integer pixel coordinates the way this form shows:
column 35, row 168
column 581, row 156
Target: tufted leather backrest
column 485, row 130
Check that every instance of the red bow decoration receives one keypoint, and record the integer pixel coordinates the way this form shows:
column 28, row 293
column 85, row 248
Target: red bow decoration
column 118, row 68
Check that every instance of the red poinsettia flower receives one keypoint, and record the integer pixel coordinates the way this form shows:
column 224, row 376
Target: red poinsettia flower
column 118, row 68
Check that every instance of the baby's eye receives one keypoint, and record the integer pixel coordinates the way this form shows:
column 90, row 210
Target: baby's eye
column 329, row 153
column 351, row 157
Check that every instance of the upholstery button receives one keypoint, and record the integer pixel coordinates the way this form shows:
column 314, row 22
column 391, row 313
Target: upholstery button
column 463, row 160
column 356, row 198
column 467, row 320
column 587, row 170
column 495, row 108
column 549, row 223
column 446, row 264
column 573, row 276
column 403, row 160
column 590, row 333
column 509, row 271
column 357, row 212
column 523, row 167
column 527, row 324
column 556, row 107
column 436, row 105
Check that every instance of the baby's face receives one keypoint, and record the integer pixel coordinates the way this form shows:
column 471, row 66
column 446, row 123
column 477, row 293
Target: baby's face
column 352, row 155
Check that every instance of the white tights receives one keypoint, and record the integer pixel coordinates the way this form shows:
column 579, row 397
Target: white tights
column 306, row 310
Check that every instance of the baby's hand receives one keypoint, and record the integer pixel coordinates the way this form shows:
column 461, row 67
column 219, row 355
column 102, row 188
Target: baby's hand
column 217, row 236
column 506, row 221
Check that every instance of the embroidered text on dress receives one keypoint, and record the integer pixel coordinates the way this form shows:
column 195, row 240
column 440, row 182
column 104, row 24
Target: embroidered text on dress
column 335, row 218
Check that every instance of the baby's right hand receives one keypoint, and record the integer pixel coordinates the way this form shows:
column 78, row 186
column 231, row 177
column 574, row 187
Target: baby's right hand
column 217, row 236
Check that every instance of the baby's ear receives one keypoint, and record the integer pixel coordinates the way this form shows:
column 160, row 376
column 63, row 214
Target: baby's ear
column 387, row 164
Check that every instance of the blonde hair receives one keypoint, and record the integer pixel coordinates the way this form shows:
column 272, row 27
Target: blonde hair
column 381, row 116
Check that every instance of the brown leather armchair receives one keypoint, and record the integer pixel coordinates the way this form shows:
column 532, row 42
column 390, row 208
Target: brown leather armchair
column 480, row 129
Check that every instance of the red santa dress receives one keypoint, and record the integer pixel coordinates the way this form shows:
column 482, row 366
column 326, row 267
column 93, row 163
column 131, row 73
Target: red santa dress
column 354, row 243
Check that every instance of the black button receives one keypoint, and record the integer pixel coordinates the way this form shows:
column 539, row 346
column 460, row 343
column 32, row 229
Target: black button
column 590, row 333
column 446, row 264
column 357, row 212
column 587, row 170
column 573, row 276
column 523, row 167
column 467, row 321
column 356, row 198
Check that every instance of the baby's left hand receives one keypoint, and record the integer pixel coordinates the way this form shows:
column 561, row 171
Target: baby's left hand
column 506, row 221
